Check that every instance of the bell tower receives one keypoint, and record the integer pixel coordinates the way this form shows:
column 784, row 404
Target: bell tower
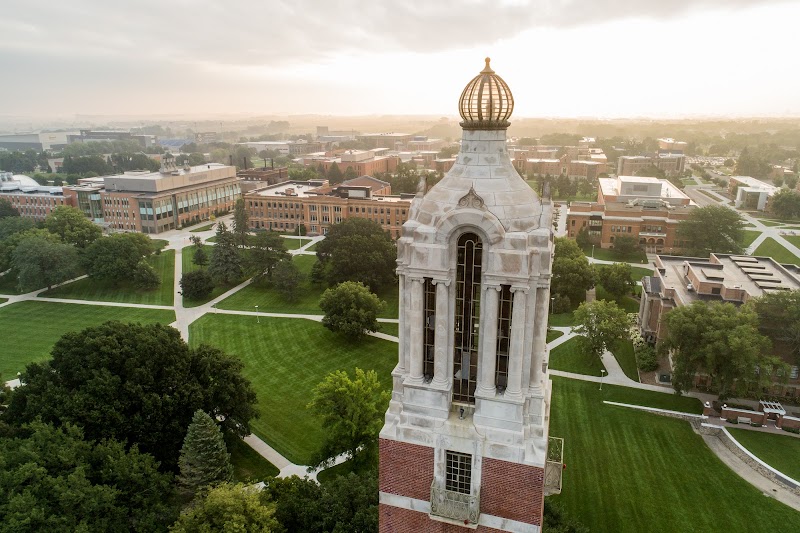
column 465, row 439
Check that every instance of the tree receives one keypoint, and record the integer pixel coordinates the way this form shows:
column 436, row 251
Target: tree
column 351, row 309
column 240, row 223
column 791, row 181
column 350, row 173
column 777, row 181
column 267, row 249
column 713, row 228
column 602, row 323
column 7, row 210
column 116, row 258
column 572, row 274
column 625, row 244
column 229, row 509
column 42, row 263
column 145, row 276
column 751, row 165
column 721, row 341
column 358, row 249
column 335, row 175
column 196, row 285
column 136, row 383
column 351, row 412
column 204, row 459
column 12, row 240
column 779, row 319
column 54, row 480
column 287, row 278
column 225, row 264
column 615, row 279
column 785, row 204
column 86, row 164
column 72, row 226
column 200, row 256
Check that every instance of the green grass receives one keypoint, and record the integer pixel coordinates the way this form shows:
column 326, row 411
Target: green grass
column 623, row 351
column 610, row 255
column 561, row 320
column 342, row 469
column 248, row 465
column 31, row 328
column 285, row 359
column 3, row 300
column 629, row 471
column 187, row 256
column 312, row 248
column 637, row 273
column 771, row 223
column 781, row 452
column 269, row 300
column 794, row 239
column 390, row 328
column 294, row 244
column 202, row 228
column 749, row 237
column 89, row 289
column 553, row 334
column 772, row 248
column 212, row 239
column 628, row 304
column 8, row 284
column 573, row 357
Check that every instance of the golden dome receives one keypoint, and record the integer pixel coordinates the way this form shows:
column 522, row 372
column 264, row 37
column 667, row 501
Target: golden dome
column 486, row 102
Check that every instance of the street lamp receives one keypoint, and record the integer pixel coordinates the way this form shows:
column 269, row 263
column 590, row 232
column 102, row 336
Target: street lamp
column 602, row 373
column 258, row 320
column 593, row 251
column 552, row 302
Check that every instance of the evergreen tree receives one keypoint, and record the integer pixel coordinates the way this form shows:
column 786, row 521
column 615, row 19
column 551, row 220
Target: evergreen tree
column 226, row 263
column 240, row 222
column 204, row 459
column 335, row 174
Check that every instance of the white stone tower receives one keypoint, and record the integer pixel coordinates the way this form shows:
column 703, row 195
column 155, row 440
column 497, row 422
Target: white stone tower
column 466, row 432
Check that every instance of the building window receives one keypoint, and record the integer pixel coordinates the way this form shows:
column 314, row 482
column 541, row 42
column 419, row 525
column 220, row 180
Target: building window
column 795, row 372
column 503, row 337
column 467, row 317
column 459, row 472
column 429, row 328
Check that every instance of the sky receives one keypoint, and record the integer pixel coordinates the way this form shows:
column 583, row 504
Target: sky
column 561, row 58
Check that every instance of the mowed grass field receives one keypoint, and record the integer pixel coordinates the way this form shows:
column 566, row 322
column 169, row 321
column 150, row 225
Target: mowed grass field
column 781, row 452
column 31, row 328
column 187, row 256
column 269, row 300
column 623, row 351
column 630, row 471
column 772, row 248
column 749, row 237
column 285, row 358
column 89, row 289
column 572, row 357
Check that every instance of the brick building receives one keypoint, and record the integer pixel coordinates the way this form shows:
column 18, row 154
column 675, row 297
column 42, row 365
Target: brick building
column 363, row 162
column 465, row 443
column 631, row 165
column 648, row 209
column 679, row 281
column 32, row 200
column 317, row 205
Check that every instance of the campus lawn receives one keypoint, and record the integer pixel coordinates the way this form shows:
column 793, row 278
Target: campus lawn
column 269, row 300
column 637, row 273
column 9, row 283
column 31, row 328
column 771, row 223
column 623, row 351
column 628, row 304
column 772, row 248
column 202, row 228
column 561, row 320
column 89, row 289
column 248, row 465
column 794, row 239
column 285, row 358
column 294, row 244
column 781, row 452
column 603, row 254
column 631, row 471
column 749, row 237
column 187, row 256
column 342, row 469
column 3, row 300
column 312, row 248
column 390, row 328
column 553, row 334
column 573, row 357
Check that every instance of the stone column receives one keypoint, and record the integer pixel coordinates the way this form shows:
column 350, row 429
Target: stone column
column 414, row 319
column 540, row 336
column 488, row 331
column 515, row 352
column 401, row 334
column 441, row 337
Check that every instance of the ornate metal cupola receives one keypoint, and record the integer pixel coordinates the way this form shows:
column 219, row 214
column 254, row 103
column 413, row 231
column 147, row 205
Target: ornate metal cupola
column 466, row 432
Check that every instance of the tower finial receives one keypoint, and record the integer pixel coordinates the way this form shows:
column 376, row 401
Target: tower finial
column 488, row 69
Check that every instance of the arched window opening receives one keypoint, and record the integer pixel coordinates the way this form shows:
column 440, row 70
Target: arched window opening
column 469, row 258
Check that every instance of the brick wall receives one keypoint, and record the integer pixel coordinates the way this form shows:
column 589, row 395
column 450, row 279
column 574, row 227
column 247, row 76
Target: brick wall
column 405, row 469
column 512, row 490
column 398, row 520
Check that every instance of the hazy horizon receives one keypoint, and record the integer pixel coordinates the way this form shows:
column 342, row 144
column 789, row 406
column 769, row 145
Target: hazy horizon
column 604, row 60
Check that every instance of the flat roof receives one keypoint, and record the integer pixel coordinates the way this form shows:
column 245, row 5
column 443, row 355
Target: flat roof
column 752, row 182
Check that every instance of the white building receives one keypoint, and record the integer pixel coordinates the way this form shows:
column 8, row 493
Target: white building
column 751, row 193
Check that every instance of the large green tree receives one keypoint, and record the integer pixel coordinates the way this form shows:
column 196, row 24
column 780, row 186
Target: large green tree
column 572, row 273
column 351, row 309
column 358, row 249
column 240, row 222
column 225, row 265
column 135, row 383
column 267, row 249
column 785, row 204
column 335, row 175
column 615, row 278
column 779, row 319
column 39, row 263
column 51, row 479
column 713, row 228
column 286, row 279
column 7, row 210
column 229, row 509
column 115, row 258
column 351, row 413
column 12, row 239
column 204, row 459
column 722, row 341
column 72, row 226
column 601, row 323
column 196, row 285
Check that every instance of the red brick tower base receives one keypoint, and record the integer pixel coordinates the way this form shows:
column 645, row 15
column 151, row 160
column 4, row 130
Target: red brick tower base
column 510, row 492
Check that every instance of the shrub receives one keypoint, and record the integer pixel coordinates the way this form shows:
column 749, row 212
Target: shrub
column 756, row 425
column 196, row 285
column 796, row 431
column 562, row 304
column 145, row 276
column 646, row 359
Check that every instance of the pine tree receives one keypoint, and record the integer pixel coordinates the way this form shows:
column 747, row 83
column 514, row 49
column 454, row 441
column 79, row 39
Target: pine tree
column 204, row 459
column 225, row 265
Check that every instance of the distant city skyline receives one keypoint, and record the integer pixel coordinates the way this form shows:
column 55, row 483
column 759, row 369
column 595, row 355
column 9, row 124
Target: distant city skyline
column 605, row 59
